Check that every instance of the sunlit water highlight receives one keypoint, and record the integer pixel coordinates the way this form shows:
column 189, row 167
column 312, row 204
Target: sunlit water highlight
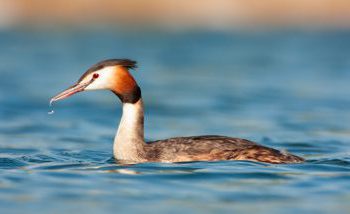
column 287, row 90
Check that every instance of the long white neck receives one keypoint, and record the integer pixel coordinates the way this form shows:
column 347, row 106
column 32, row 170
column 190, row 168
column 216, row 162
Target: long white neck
column 129, row 141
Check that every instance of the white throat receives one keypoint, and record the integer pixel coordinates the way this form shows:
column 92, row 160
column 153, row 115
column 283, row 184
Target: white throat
column 129, row 140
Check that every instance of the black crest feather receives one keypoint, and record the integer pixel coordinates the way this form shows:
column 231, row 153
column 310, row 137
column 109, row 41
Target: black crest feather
column 127, row 63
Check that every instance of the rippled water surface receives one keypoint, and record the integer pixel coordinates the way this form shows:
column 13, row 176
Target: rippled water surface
column 288, row 90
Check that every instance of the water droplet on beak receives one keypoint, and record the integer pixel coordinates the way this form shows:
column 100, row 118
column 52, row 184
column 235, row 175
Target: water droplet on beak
column 50, row 106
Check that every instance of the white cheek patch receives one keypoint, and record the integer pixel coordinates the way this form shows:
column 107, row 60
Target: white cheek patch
column 104, row 80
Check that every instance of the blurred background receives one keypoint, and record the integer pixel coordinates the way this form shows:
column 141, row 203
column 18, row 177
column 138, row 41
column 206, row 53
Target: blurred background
column 276, row 72
column 207, row 14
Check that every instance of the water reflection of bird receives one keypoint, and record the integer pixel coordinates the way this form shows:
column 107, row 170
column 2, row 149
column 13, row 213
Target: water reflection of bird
column 129, row 144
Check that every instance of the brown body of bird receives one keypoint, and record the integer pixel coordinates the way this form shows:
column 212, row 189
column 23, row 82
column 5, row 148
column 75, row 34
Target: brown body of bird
column 129, row 144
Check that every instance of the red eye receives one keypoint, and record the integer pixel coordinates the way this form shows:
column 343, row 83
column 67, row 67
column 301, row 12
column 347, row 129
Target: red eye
column 95, row 76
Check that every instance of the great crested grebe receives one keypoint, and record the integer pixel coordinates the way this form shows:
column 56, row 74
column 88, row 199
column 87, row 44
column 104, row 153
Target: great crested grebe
column 129, row 144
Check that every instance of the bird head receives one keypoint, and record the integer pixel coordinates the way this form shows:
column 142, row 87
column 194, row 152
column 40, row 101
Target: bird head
column 112, row 74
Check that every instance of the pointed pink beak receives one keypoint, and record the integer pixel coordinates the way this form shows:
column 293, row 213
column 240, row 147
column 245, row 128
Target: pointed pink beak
column 78, row 87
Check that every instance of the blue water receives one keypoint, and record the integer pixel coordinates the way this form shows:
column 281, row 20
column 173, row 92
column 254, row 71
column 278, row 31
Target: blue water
column 285, row 89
